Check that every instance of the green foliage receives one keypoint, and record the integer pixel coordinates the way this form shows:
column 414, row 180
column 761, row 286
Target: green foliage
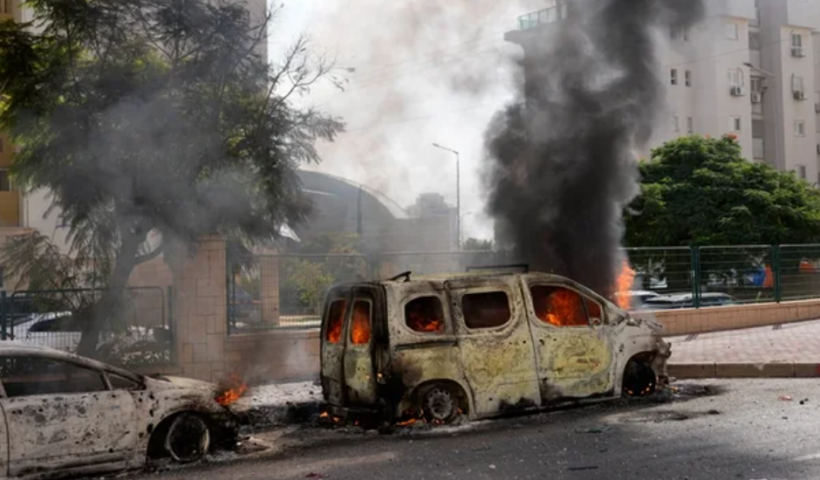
column 306, row 282
column 477, row 245
column 157, row 117
column 700, row 191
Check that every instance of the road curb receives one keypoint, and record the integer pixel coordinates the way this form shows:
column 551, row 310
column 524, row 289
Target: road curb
column 744, row 370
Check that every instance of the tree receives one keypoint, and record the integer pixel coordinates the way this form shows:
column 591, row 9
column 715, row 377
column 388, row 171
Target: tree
column 477, row 245
column 156, row 116
column 700, row 191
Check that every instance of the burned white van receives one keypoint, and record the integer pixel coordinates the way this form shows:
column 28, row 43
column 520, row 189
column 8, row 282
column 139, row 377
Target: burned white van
column 481, row 345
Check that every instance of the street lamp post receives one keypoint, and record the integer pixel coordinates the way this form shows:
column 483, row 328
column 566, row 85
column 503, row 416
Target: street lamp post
column 458, row 189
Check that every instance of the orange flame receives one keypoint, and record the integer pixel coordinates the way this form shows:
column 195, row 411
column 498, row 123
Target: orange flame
column 564, row 309
column 424, row 324
column 623, row 285
column 232, row 390
column 360, row 327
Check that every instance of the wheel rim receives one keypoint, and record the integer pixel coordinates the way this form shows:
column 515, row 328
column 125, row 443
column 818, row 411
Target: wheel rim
column 440, row 404
column 188, row 438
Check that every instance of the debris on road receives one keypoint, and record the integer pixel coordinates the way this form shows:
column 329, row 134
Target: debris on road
column 600, row 429
column 785, row 398
column 315, row 475
column 582, row 468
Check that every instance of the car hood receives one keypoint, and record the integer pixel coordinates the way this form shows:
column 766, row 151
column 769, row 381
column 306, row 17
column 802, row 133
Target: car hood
column 187, row 383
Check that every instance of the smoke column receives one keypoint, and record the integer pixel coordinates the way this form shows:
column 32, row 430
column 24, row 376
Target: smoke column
column 561, row 165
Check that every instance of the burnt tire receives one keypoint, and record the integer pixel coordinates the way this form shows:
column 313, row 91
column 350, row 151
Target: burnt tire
column 439, row 404
column 640, row 379
column 188, row 438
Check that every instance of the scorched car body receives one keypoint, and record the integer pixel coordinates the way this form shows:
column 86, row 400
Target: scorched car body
column 67, row 415
column 481, row 345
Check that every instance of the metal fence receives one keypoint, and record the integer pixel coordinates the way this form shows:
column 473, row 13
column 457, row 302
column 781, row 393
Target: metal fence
column 286, row 291
column 139, row 334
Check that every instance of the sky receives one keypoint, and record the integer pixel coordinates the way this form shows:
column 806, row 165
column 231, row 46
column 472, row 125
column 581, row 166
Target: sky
column 426, row 71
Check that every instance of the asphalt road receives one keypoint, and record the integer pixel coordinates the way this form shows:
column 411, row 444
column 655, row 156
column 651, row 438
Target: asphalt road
column 732, row 430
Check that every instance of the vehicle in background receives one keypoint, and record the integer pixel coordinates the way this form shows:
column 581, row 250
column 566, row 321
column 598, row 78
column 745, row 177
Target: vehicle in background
column 686, row 300
column 48, row 394
column 481, row 345
column 61, row 331
column 637, row 298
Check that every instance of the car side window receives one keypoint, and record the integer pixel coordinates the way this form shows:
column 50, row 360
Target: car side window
column 360, row 326
column 425, row 315
column 119, row 382
column 335, row 320
column 32, row 375
column 486, row 310
column 562, row 307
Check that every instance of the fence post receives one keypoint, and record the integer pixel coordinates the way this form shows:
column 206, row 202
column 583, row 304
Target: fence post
column 695, row 259
column 3, row 316
column 777, row 268
column 172, row 323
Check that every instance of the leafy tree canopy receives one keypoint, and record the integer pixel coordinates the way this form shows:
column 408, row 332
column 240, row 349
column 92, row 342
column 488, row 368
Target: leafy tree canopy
column 156, row 117
column 700, row 191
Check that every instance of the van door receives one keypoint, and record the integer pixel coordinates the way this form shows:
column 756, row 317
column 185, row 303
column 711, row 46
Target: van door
column 359, row 369
column 333, row 330
column 494, row 344
column 572, row 342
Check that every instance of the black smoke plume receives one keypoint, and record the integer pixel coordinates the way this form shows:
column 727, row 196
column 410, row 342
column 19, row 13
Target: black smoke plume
column 562, row 163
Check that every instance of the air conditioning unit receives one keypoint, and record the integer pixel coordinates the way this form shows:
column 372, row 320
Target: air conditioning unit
column 736, row 91
column 799, row 95
column 757, row 97
column 798, row 52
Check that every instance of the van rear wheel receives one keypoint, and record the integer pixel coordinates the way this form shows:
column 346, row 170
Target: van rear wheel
column 439, row 404
column 640, row 379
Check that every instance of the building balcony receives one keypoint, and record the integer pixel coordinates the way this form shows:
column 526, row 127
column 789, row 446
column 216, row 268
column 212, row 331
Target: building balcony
column 542, row 17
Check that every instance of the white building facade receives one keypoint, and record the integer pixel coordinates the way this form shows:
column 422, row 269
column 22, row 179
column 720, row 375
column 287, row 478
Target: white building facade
column 751, row 68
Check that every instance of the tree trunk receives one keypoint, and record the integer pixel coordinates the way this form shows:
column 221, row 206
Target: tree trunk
column 111, row 298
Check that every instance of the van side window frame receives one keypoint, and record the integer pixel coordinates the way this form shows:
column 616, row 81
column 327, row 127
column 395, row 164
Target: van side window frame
column 584, row 299
column 342, row 297
column 349, row 320
column 486, row 290
column 442, row 299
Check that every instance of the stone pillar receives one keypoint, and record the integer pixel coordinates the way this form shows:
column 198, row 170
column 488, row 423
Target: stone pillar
column 269, row 289
column 201, row 311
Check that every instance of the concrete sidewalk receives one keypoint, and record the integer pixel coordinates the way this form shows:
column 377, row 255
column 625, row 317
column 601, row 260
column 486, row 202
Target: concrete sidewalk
column 781, row 351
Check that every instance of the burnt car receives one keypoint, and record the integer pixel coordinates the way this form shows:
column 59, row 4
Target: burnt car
column 69, row 415
column 481, row 346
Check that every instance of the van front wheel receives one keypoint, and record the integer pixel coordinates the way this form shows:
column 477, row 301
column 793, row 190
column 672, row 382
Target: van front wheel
column 439, row 404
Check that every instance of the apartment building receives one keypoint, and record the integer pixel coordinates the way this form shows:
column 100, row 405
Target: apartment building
column 750, row 68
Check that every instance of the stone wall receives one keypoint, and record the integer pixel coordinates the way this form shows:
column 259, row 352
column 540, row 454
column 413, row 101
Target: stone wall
column 690, row 321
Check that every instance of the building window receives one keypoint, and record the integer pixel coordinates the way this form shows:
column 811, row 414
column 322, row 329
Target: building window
column 797, row 40
column 801, row 171
column 754, row 41
column 757, row 85
column 675, row 124
column 486, row 310
column 735, row 76
column 5, row 181
column 687, row 75
column 690, row 125
column 798, row 85
column 674, row 76
column 685, row 35
column 800, row 128
column 731, row 31
column 734, row 124
column 758, row 148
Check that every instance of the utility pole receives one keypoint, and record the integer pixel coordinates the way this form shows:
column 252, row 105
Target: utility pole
column 458, row 190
